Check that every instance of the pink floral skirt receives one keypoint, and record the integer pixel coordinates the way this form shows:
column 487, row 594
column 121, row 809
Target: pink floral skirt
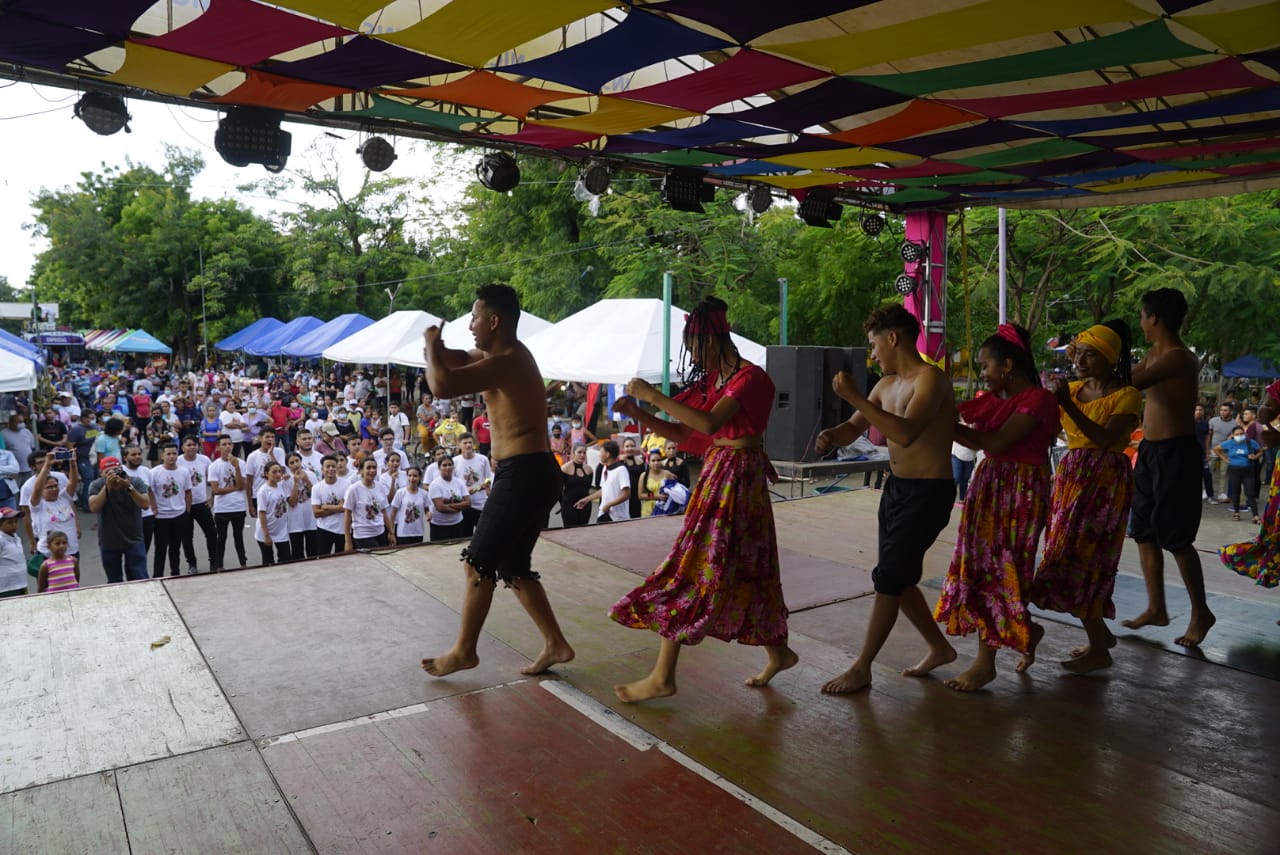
column 1087, row 521
column 1259, row 559
column 990, row 574
column 721, row 578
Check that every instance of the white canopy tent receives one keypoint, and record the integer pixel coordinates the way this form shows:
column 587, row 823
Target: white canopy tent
column 457, row 333
column 16, row 373
column 397, row 339
column 615, row 340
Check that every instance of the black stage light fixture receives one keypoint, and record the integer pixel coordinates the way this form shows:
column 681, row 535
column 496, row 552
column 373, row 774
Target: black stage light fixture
column 102, row 113
column 872, row 224
column 820, row 208
column 595, row 178
column 684, row 190
column 759, row 198
column 377, row 154
column 248, row 135
column 912, row 252
column 498, row 172
column 906, row 284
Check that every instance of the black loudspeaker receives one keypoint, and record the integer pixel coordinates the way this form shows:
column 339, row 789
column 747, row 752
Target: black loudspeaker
column 803, row 402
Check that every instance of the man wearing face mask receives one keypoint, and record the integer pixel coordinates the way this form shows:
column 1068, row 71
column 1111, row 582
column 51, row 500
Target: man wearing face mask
column 19, row 440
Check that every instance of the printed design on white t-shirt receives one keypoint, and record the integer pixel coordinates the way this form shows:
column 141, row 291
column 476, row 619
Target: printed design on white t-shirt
column 196, row 478
column 169, row 488
column 332, row 499
column 67, row 515
column 412, row 512
column 280, row 509
column 373, row 510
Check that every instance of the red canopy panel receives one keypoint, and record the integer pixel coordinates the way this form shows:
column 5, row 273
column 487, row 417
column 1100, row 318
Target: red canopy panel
column 241, row 32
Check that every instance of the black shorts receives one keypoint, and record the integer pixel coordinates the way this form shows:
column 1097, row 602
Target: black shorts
column 913, row 512
column 1167, row 484
column 525, row 488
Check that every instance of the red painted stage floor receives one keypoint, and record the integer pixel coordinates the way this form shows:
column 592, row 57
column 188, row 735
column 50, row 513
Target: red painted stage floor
column 283, row 710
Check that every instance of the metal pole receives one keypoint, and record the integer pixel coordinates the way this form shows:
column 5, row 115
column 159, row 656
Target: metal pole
column 204, row 318
column 782, row 312
column 1004, row 257
column 668, row 285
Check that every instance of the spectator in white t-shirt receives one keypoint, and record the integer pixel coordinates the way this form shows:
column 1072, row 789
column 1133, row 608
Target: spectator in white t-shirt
column 171, row 501
column 52, row 508
column 327, row 496
column 398, row 422
column 615, row 487
column 274, row 500
column 410, row 510
column 134, row 468
column 201, row 503
column 233, row 425
column 366, row 510
column 226, row 483
column 302, row 519
column 474, row 471
column 255, row 464
column 449, row 499
column 393, row 478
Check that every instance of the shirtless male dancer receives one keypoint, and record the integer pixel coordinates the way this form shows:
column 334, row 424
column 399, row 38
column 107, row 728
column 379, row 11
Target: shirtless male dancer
column 914, row 408
column 1167, row 474
column 526, row 483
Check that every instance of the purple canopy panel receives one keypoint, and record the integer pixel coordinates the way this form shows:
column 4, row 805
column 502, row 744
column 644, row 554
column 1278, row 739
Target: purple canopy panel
column 1259, row 101
column 713, row 130
column 1092, row 161
column 31, row 41
column 834, row 99
column 802, row 144
column 988, row 133
column 641, row 39
column 112, row 19
column 363, row 63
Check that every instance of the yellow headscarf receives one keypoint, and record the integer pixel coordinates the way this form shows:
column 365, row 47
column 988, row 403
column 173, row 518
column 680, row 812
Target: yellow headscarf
column 1102, row 339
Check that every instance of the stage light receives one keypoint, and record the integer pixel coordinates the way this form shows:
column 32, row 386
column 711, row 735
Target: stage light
column 819, row 208
column 913, row 252
column 102, row 113
column 377, row 154
column 594, row 178
column 906, row 284
column 248, row 135
column 498, row 172
column 759, row 198
column 684, row 190
column 872, row 224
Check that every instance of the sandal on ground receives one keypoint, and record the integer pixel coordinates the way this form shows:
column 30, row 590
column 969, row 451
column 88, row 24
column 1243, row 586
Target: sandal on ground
column 1257, row 521
column 1236, row 517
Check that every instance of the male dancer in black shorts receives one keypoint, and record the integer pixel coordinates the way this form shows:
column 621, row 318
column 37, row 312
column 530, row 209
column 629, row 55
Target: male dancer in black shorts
column 914, row 408
column 1166, row 477
column 526, row 483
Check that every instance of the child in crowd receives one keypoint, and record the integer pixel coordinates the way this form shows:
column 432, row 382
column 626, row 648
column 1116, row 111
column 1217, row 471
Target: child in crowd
column 60, row 571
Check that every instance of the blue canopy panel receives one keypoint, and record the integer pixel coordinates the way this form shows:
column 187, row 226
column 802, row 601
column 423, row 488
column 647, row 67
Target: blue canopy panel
column 1250, row 366
column 139, row 341
column 260, row 327
column 19, row 346
column 272, row 343
column 312, row 344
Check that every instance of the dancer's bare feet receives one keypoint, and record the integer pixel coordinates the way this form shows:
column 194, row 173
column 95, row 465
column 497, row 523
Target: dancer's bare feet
column 1093, row 660
column 1029, row 658
column 853, row 680
column 1083, row 650
column 1197, row 629
column 643, row 690
column 977, row 676
column 1151, row 617
column 549, row 656
column 778, row 661
column 935, row 658
column 452, row 661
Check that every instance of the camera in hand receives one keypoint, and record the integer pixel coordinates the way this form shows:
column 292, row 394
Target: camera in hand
column 119, row 472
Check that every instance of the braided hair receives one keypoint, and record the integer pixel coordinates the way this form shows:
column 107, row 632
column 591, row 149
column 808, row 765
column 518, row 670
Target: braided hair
column 1124, row 361
column 707, row 322
column 1003, row 348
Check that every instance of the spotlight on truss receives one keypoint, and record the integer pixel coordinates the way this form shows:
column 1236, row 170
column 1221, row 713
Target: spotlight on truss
column 820, row 208
column 684, row 190
column 248, row 135
column 377, row 154
column 906, row 284
column 102, row 113
column 498, row 172
column 872, row 224
column 912, row 252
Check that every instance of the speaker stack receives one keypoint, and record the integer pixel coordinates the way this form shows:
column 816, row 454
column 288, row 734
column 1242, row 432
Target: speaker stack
column 804, row 402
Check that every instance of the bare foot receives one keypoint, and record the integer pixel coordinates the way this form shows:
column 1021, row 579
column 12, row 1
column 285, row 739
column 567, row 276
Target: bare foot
column 1197, row 630
column 850, row 681
column 1091, row 661
column 1083, row 650
column 782, row 662
column 973, row 679
column 1150, row 617
column 452, row 661
column 548, row 657
column 932, row 659
column 644, row 690
column 1029, row 658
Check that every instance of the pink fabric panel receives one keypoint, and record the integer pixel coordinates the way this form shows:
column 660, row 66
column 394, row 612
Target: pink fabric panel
column 244, row 33
column 743, row 74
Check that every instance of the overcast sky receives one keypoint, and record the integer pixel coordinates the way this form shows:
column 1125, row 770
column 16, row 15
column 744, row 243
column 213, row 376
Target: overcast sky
column 42, row 144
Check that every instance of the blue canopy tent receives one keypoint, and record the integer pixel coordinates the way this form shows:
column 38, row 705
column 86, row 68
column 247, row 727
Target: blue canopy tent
column 272, row 343
column 312, row 344
column 139, row 341
column 20, row 346
column 1250, row 366
column 260, row 327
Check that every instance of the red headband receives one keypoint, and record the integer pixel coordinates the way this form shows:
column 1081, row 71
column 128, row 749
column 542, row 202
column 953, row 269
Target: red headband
column 1009, row 334
column 715, row 322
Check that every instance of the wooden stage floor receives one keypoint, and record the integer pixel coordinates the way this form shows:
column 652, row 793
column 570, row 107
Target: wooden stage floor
column 283, row 710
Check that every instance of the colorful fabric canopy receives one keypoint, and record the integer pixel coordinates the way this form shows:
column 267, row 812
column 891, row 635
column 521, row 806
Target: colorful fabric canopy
column 137, row 341
column 888, row 102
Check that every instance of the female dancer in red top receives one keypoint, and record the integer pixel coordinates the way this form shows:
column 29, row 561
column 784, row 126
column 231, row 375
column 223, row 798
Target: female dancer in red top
column 721, row 578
